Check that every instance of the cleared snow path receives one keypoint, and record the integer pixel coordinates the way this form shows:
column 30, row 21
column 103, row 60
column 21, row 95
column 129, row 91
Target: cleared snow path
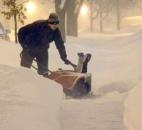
column 90, row 115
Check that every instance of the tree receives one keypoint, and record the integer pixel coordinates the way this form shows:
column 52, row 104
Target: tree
column 102, row 12
column 15, row 11
column 103, row 9
column 118, row 13
column 71, row 8
column 60, row 7
column 73, row 11
column 94, row 12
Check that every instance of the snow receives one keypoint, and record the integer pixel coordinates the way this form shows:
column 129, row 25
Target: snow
column 133, row 107
column 115, row 67
column 133, row 104
column 27, row 101
column 112, row 55
column 9, row 53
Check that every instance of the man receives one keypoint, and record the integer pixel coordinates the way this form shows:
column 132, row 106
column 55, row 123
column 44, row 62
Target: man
column 35, row 38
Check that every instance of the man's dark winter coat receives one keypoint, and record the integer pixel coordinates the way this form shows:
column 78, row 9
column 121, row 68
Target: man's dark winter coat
column 39, row 35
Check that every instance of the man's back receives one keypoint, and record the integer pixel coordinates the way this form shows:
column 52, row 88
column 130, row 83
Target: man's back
column 35, row 34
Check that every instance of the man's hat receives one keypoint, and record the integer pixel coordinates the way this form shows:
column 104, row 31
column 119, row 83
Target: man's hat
column 53, row 17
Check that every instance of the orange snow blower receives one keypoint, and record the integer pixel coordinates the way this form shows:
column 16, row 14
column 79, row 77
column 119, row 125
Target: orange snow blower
column 75, row 82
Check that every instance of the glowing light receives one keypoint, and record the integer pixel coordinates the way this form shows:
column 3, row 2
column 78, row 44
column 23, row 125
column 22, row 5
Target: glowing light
column 84, row 10
column 31, row 7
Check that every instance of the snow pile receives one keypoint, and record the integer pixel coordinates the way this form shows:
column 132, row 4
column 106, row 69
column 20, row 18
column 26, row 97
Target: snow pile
column 133, row 103
column 28, row 101
column 133, row 108
column 9, row 53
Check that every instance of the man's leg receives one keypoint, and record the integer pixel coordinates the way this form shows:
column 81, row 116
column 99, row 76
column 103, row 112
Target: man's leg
column 26, row 59
column 42, row 62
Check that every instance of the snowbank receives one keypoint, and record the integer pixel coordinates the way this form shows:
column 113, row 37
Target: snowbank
column 133, row 108
column 133, row 103
column 28, row 101
column 9, row 53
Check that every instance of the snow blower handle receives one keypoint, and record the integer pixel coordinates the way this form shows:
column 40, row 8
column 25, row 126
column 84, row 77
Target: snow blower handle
column 73, row 65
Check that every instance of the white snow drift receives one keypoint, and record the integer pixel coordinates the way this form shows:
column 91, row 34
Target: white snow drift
column 27, row 101
column 133, row 108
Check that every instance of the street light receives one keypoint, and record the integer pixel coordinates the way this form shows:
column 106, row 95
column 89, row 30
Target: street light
column 30, row 7
column 84, row 9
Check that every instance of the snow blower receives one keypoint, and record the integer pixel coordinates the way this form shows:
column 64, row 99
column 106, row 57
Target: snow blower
column 77, row 82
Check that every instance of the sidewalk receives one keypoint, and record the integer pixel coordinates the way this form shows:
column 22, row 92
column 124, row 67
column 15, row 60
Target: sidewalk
column 92, row 114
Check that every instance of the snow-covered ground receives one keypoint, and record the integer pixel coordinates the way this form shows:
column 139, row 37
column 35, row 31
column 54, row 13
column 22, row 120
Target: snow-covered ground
column 133, row 108
column 27, row 100
column 115, row 67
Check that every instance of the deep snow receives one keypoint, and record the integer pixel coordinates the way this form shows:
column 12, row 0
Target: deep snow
column 27, row 101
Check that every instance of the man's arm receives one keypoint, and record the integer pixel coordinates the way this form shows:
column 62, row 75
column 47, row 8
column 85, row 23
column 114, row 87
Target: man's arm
column 60, row 46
